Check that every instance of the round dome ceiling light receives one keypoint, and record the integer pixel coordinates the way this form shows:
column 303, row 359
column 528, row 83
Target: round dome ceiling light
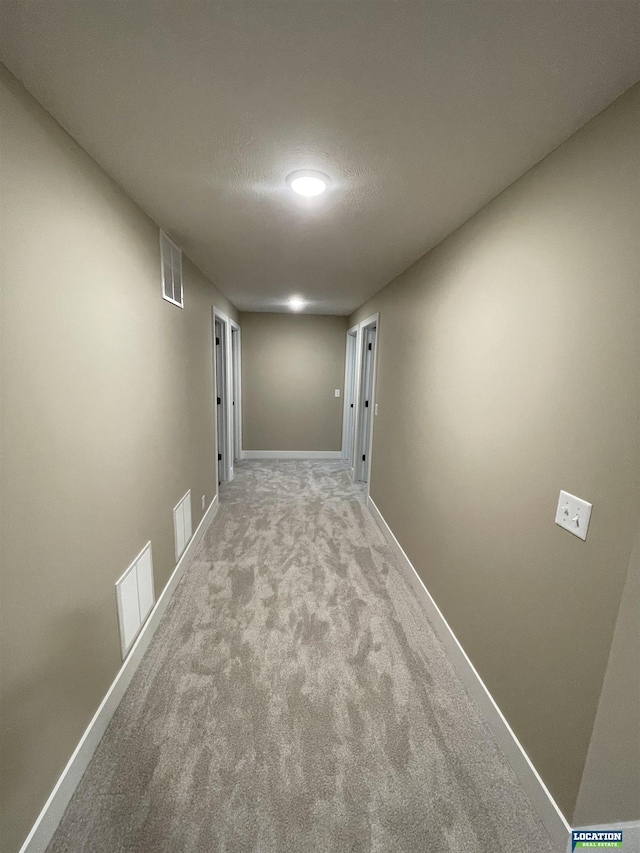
column 296, row 303
column 308, row 182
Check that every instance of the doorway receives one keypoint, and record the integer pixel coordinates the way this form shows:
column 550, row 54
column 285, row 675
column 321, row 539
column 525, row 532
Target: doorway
column 222, row 396
column 349, row 414
column 236, row 386
column 228, row 394
column 365, row 398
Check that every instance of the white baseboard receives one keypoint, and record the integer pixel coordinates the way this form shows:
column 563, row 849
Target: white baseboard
column 630, row 834
column 538, row 793
column 51, row 815
column 291, row 454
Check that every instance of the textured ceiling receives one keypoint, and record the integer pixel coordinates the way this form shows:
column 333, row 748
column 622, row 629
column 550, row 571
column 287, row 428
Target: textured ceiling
column 420, row 112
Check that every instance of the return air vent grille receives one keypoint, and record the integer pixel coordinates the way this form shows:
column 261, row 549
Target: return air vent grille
column 171, row 260
column 182, row 524
column 135, row 597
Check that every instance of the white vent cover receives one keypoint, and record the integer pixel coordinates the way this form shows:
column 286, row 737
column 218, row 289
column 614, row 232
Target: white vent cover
column 171, row 260
column 182, row 524
column 135, row 596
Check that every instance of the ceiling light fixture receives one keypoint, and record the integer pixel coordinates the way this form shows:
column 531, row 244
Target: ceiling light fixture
column 295, row 303
column 308, row 183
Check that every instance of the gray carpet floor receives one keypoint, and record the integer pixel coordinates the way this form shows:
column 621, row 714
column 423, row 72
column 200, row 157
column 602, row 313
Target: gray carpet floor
column 295, row 699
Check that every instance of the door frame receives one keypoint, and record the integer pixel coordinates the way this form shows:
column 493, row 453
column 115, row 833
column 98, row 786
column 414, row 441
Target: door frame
column 371, row 322
column 236, row 386
column 225, row 466
column 350, row 391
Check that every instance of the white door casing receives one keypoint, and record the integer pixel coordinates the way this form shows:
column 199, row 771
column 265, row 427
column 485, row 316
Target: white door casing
column 227, row 391
column 349, row 408
column 365, row 394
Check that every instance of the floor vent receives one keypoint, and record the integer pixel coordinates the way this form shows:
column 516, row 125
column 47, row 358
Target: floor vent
column 182, row 524
column 136, row 597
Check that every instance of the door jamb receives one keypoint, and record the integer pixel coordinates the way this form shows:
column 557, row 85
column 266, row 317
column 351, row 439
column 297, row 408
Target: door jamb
column 349, row 380
column 237, row 389
column 227, row 469
column 373, row 320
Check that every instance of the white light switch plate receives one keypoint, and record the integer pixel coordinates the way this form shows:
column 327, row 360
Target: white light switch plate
column 573, row 514
column 337, row 392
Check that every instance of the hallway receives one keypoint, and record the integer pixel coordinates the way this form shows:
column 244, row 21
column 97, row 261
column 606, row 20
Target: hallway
column 294, row 699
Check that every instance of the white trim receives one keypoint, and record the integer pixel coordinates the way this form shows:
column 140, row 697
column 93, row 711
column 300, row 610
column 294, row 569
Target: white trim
column 292, row 454
column 229, row 393
column 226, row 471
column 237, row 388
column 356, row 398
column 538, row 793
column 349, row 389
column 370, row 322
column 51, row 815
column 372, row 403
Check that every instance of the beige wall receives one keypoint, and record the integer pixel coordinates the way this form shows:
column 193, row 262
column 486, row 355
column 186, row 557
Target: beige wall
column 107, row 420
column 610, row 788
column 508, row 370
column 291, row 366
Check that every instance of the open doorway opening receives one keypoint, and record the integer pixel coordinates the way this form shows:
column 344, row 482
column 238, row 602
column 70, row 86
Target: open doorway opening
column 236, row 389
column 227, row 394
column 365, row 398
column 222, row 398
column 350, row 384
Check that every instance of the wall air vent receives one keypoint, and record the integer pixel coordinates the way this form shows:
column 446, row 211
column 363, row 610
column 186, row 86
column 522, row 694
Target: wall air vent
column 171, row 262
column 135, row 597
column 182, row 524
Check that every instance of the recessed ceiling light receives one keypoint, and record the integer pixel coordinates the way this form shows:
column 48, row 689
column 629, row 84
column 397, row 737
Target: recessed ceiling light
column 308, row 183
column 295, row 303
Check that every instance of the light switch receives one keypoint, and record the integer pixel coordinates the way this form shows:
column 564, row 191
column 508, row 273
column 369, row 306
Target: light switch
column 337, row 392
column 573, row 514
column 375, row 410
